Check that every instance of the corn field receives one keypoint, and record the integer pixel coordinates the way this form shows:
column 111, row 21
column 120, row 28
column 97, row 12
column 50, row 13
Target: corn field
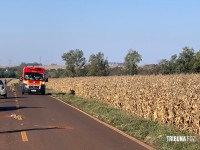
column 173, row 99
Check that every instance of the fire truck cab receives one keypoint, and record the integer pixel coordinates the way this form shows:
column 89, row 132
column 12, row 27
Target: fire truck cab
column 33, row 80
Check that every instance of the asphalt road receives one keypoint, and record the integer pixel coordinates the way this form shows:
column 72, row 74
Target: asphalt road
column 40, row 122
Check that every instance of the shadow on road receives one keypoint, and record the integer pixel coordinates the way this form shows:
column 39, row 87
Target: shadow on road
column 11, row 108
column 12, row 101
column 15, row 97
column 39, row 129
column 49, row 94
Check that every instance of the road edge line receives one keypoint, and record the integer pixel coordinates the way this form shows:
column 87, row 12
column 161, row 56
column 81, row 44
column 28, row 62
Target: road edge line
column 107, row 125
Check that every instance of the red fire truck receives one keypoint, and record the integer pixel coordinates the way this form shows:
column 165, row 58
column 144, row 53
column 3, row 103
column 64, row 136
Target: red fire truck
column 33, row 80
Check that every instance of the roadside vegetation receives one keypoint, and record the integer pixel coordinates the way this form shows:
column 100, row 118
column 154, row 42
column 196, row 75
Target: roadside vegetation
column 149, row 132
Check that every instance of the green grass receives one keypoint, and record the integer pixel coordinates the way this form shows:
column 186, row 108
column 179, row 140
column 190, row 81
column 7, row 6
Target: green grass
column 147, row 131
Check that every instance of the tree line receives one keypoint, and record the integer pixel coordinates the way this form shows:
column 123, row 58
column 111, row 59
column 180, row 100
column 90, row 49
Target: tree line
column 188, row 61
column 97, row 64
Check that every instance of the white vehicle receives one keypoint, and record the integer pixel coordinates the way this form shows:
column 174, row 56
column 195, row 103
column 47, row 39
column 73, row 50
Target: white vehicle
column 3, row 89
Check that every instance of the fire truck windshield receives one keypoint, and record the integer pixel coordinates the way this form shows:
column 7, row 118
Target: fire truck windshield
column 33, row 76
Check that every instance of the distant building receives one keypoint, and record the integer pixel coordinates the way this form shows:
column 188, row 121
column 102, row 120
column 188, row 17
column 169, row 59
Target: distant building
column 114, row 64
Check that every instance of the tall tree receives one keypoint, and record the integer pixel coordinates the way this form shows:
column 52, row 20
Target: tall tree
column 196, row 62
column 164, row 66
column 98, row 66
column 75, row 62
column 172, row 63
column 185, row 60
column 131, row 61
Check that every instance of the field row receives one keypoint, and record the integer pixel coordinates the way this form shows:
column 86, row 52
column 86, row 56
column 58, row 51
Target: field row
column 172, row 100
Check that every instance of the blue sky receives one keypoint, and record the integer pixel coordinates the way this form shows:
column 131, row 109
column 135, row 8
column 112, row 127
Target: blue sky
column 157, row 29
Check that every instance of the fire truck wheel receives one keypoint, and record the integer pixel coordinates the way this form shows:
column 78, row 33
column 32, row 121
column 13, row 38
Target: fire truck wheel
column 43, row 92
column 5, row 96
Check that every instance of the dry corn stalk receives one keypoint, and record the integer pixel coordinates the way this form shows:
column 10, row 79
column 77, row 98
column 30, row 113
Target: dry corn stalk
column 172, row 99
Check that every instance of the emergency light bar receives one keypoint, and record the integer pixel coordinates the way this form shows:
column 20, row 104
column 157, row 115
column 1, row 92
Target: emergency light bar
column 36, row 69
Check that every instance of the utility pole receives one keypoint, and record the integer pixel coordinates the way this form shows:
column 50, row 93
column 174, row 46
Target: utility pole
column 40, row 61
column 9, row 62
